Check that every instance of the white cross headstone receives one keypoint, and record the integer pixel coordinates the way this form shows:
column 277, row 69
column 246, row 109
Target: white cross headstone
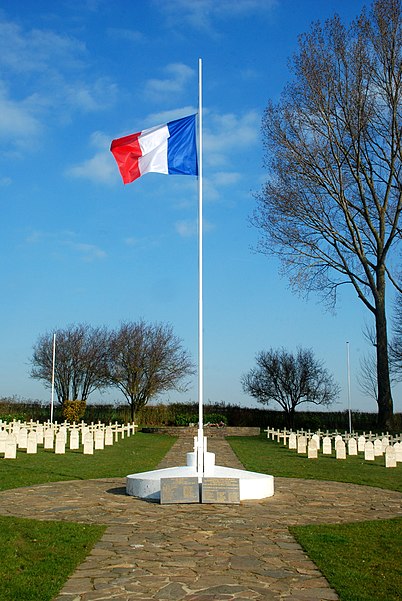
column 369, row 451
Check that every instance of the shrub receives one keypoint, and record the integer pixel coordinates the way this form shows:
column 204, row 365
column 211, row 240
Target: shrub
column 73, row 411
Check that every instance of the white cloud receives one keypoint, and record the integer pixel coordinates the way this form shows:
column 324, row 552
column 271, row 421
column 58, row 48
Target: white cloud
column 92, row 97
column 128, row 35
column 18, row 123
column 101, row 167
column 228, row 133
column 188, row 228
column 88, row 252
column 177, row 77
column 37, row 50
column 203, row 14
column 226, row 178
column 171, row 115
column 66, row 239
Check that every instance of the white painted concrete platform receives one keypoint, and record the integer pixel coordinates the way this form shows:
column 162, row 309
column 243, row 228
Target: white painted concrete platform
column 147, row 485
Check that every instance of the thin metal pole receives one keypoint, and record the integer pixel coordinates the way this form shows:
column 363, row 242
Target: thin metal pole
column 53, row 369
column 348, row 373
column 200, row 453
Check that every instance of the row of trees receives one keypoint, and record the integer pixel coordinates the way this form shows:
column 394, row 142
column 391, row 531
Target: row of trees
column 331, row 207
column 140, row 359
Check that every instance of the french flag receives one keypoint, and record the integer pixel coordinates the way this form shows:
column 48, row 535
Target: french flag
column 170, row 148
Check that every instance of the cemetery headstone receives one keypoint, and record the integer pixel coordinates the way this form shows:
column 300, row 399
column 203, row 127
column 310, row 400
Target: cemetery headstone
column 22, row 438
column 361, row 441
column 39, row 434
column 88, row 444
column 3, row 438
column 10, row 451
column 312, row 450
column 340, row 450
column 49, row 439
column 398, row 452
column 326, row 446
column 378, row 447
column 108, row 436
column 385, row 443
column 60, row 447
column 369, row 451
column 292, row 441
column 317, row 440
column 301, row 444
column 352, row 446
column 390, row 457
column 74, row 439
column 32, row 444
column 99, row 439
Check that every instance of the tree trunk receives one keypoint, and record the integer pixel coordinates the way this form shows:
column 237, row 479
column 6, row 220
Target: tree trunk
column 384, row 399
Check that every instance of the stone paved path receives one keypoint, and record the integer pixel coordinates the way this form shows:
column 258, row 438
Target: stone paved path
column 199, row 552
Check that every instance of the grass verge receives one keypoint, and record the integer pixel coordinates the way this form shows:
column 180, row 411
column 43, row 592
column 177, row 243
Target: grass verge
column 359, row 560
column 259, row 454
column 137, row 453
column 37, row 557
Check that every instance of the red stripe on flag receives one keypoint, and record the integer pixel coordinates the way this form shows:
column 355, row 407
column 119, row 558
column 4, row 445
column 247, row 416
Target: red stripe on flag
column 126, row 152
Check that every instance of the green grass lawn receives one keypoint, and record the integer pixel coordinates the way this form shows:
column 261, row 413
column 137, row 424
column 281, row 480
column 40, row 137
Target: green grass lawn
column 36, row 556
column 361, row 561
column 259, row 454
column 137, row 453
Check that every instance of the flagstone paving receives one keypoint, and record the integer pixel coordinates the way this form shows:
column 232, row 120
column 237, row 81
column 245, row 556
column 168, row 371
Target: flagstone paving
column 199, row 552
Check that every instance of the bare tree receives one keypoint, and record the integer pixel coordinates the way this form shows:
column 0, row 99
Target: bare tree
column 396, row 342
column 290, row 380
column 145, row 360
column 81, row 361
column 331, row 207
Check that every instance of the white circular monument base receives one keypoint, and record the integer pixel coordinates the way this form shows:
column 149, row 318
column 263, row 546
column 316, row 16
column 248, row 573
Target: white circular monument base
column 147, row 485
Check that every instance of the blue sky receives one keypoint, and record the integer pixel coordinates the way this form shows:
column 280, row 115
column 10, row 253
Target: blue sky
column 79, row 246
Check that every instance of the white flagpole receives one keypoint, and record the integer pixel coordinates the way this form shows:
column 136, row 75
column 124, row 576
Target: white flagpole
column 200, row 445
column 348, row 377
column 53, row 366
